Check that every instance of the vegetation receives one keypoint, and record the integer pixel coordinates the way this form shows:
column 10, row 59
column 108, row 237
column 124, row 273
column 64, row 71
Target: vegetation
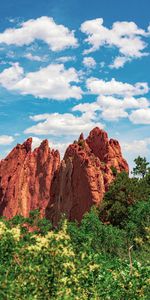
column 141, row 168
column 114, row 170
column 105, row 257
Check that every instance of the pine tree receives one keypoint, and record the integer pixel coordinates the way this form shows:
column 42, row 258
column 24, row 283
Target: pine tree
column 141, row 167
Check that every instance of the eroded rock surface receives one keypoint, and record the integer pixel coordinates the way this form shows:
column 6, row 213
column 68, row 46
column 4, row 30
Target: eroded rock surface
column 84, row 175
column 25, row 179
column 37, row 179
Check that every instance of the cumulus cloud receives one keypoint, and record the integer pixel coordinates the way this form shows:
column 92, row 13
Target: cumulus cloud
column 89, row 62
column 6, row 140
column 52, row 82
column 114, row 87
column 63, row 124
column 125, row 36
column 64, row 59
column 140, row 116
column 11, row 76
column 58, row 37
column 112, row 108
column 59, row 146
column 116, row 99
column 119, row 62
column 36, row 141
column 32, row 57
column 136, row 147
column 86, row 107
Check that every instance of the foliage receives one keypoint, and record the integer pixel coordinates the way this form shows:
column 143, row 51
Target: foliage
column 114, row 170
column 141, row 166
column 100, row 237
column 89, row 261
column 122, row 194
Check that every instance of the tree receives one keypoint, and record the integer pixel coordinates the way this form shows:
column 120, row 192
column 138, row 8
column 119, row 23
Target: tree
column 141, row 167
column 121, row 193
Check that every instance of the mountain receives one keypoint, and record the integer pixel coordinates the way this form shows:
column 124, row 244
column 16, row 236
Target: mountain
column 38, row 179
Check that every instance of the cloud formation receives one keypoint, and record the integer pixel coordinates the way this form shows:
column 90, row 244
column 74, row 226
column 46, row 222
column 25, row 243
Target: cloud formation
column 58, row 37
column 89, row 62
column 119, row 62
column 38, row 58
column 114, row 87
column 63, row 124
column 64, row 59
column 137, row 147
column 124, row 105
column 6, row 140
column 52, row 82
column 125, row 36
column 140, row 116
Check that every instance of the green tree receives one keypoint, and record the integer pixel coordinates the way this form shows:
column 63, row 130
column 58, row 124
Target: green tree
column 115, row 204
column 123, row 193
column 141, row 167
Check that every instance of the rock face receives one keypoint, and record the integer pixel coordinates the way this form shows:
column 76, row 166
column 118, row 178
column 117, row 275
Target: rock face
column 84, row 175
column 36, row 179
column 25, row 179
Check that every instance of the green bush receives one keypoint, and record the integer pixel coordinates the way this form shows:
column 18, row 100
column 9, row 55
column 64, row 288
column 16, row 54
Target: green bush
column 89, row 261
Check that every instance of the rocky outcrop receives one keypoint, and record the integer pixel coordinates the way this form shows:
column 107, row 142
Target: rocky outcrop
column 25, row 179
column 88, row 167
column 108, row 152
column 36, row 179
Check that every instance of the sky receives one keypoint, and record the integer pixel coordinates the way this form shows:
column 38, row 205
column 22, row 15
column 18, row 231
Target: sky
column 67, row 66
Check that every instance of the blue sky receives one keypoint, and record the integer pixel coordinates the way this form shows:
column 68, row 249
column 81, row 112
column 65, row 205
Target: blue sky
column 67, row 66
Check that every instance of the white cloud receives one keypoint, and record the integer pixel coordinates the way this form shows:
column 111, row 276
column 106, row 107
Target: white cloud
column 113, row 114
column 36, row 141
column 119, row 62
column 116, row 100
column 114, row 87
column 52, row 82
column 64, row 59
column 6, row 140
column 61, row 147
column 140, row 116
column 10, row 76
column 112, row 108
column 125, row 36
column 86, row 107
column 136, row 147
column 32, row 57
column 89, row 62
column 63, row 124
column 58, row 37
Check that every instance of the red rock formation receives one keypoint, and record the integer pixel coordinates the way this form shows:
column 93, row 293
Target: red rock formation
column 109, row 153
column 31, row 180
column 25, row 179
column 84, row 175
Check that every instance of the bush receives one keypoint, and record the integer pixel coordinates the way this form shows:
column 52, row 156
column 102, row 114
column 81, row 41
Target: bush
column 53, row 266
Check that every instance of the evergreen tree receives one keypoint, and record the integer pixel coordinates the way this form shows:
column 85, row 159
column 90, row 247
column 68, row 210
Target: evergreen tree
column 141, row 167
